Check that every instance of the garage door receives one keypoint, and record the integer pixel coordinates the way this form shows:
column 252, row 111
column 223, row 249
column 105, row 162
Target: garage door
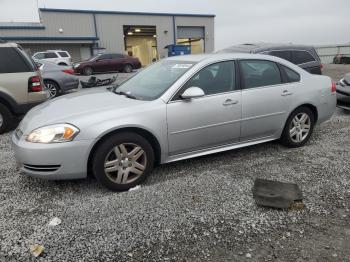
column 190, row 32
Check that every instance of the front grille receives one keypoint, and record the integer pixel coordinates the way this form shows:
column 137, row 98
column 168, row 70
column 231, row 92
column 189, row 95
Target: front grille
column 41, row 168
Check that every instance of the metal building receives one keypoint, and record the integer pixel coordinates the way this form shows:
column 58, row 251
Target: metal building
column 84, row 32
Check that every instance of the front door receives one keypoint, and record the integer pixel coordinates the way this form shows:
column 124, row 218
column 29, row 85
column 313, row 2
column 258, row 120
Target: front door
column 266, row 99
column 208, row 121
column 103, row 63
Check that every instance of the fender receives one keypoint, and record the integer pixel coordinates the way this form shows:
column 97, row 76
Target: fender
column 8, row 101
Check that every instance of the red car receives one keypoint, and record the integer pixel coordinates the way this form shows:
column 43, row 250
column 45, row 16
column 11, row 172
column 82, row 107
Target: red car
column 107, row 63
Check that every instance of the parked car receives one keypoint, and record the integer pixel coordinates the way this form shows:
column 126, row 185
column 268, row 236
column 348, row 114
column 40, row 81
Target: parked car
column 21, row 85
column 341, row 59
column 58, row 79
column 304, row 56
column 343, row 92
column 107, row 63
column 58, row 57
column 180, row 107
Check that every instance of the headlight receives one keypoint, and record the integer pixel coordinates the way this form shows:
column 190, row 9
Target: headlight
column 76, row 65
column 53, row 134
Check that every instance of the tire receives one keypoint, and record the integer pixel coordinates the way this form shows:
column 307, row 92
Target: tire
column 5, row 119
column 299, row 136
column 53, row 88
column 127, row 68
column 120, row 176
column 87, row 71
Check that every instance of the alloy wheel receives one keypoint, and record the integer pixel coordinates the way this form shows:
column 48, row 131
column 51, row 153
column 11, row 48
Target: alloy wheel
column 300, row 127
column 52, row 89
column 125, row 163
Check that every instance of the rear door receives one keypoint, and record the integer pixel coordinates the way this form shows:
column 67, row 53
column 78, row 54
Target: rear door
column 118, row 62
column 266, row 99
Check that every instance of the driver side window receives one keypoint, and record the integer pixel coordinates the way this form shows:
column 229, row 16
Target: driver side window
column 214, row 79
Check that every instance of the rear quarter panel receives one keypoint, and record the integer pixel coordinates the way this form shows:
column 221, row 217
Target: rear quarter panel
column 16, row 86
column 316, row 90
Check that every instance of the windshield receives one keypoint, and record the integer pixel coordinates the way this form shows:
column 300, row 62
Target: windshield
column 154, row 80
column 94, row 57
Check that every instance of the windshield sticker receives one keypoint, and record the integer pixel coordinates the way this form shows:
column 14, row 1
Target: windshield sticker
column 182, row 66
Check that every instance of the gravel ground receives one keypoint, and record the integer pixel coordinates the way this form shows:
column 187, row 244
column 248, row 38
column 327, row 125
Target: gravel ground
column 194, row 210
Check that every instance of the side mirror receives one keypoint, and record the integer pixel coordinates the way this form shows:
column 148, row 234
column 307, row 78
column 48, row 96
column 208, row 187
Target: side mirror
column 192, row 92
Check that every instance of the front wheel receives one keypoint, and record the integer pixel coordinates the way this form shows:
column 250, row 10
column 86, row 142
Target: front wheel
column 123, row 161
column 298, row 128
column 127, row 68
column 87, row 71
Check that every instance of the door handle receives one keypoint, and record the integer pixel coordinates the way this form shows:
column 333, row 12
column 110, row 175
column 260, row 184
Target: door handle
column 230, row 102
column 286, row 93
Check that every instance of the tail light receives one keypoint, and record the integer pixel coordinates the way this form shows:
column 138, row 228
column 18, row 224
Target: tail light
column 35, row 84
column 68, row 71
column 334, row 87
column 321, row 66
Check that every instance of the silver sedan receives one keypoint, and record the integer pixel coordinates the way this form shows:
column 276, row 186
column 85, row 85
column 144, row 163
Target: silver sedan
column 177, row 108
column 57, row 79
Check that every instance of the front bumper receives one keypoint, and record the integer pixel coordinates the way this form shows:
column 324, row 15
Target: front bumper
column 52, row 161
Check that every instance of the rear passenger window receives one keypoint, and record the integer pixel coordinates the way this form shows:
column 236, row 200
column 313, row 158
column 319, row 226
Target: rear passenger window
column 290, row 75
column 256, row 73
column 40, row 56
column 12, row 62
column 287, row 55
column 301, row 57
column 63, row 54
column 50, row 55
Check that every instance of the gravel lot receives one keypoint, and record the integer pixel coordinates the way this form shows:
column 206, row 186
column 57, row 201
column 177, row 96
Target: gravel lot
column 194, row 210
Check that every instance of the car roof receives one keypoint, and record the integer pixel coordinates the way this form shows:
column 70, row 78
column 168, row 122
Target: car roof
column 8, row 44
column 261, row 46
column 221, row 56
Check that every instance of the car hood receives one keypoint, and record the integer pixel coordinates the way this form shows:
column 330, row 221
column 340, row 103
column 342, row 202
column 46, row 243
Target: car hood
column 81, row 109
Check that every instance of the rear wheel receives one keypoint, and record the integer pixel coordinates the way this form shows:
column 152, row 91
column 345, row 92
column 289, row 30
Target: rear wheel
column 127, row 68
column 52, row 87
column 5, row 119
column 87, row 71
column 298, row 128
column 123, row 161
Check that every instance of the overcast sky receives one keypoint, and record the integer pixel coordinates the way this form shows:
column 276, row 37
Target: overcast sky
column 237, row 21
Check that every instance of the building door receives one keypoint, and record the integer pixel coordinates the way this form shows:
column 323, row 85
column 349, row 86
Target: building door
column 193, row 36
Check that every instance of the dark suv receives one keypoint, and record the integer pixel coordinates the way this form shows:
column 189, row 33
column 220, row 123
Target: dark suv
column 304, row 56
column 107, row 63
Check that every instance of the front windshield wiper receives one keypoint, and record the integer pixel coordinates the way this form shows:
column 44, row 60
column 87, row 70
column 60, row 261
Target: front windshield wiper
column 125, row 94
